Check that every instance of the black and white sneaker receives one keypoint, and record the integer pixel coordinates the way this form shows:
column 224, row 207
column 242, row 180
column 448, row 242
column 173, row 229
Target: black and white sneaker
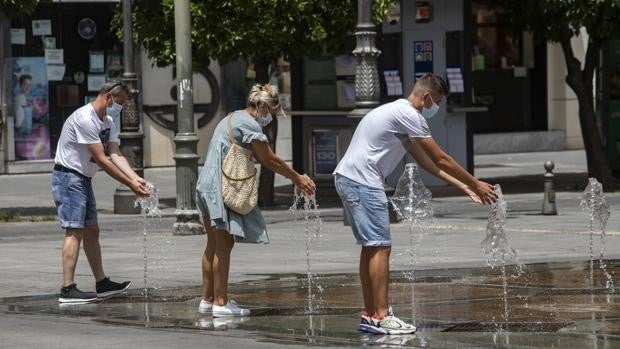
column 107, row 288
column 71, row 294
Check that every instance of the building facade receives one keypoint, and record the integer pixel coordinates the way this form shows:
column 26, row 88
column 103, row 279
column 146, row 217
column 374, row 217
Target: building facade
column 507, row 94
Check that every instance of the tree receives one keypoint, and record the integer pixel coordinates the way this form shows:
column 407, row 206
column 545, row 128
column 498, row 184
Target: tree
column 15, row 8
column 558, row 21
column 257, row 31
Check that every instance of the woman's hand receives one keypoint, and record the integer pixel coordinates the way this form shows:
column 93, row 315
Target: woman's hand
column 305, row 184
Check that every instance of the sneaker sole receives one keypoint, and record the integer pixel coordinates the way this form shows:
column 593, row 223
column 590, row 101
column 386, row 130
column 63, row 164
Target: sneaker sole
column 364, row 328
column 109, row 294
column 228, row 315
column 76, row 300
column 388, row 331
column 205, row 311
column 372, row 329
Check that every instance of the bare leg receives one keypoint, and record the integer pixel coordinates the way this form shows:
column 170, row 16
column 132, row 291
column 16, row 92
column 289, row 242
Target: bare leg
column 379, row 274
column 221, row 265
column 70, row 253
column 207, row 264
column 92, row 249
column 369, row 304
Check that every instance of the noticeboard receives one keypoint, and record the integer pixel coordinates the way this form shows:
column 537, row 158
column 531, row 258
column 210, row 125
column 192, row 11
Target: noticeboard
column 423, row 57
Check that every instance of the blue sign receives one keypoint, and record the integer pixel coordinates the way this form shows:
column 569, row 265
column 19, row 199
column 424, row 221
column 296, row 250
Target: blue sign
column 423, row 57
column 325, row 151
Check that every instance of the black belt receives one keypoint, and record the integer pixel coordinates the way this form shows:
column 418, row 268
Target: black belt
column 61, row 168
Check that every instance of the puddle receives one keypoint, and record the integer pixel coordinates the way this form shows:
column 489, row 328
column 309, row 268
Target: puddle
column 551, row 305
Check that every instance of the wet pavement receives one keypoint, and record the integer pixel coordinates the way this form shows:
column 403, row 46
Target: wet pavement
column 551, row 305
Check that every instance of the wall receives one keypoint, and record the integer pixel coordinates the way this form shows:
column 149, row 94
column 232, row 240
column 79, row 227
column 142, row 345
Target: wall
column 156, row 85
column 448, row 129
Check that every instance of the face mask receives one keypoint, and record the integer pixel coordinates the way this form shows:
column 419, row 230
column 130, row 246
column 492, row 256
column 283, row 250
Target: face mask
column 428, row 113
column 115, row 109
column 264, row 120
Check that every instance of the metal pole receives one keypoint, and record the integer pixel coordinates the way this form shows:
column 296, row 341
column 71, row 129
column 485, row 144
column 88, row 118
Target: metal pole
column 188, row 221
column 367, row 88
column 548, row 207
column 131, row 136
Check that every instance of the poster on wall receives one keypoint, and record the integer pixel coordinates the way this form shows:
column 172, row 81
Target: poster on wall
column 325, row 146
column 423, row 57
column 31, row 108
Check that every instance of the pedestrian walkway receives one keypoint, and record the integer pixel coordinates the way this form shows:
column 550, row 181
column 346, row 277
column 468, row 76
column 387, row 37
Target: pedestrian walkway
column 519, row 172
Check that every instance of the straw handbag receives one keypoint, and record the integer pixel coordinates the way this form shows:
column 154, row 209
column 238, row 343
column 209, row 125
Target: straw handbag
column 239, row 187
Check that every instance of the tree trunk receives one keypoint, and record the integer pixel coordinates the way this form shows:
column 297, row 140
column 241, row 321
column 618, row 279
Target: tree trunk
column 267, row 177
column 580, row 81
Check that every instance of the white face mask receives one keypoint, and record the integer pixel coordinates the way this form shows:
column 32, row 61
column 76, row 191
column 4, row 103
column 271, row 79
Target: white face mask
column 265, row 120
column 115, row 110
column 428, row 113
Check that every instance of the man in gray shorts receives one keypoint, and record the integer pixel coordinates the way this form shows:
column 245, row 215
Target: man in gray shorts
column 88, row 137
column 381, row 140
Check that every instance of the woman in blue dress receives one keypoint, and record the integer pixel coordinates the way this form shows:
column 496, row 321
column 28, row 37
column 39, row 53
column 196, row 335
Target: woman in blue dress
column 223, row 225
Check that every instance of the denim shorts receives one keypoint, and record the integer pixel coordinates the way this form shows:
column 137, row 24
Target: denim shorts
column 74, row 199
column 366, row 209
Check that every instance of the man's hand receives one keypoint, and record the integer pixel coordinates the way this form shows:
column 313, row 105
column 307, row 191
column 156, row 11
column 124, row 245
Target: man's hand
column 305, row 184
column 473, row 196
column 486, row 192
column 138, row 186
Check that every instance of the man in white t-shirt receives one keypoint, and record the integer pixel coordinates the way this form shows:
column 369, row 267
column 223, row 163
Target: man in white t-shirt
column 88, row 141
column 381, row 140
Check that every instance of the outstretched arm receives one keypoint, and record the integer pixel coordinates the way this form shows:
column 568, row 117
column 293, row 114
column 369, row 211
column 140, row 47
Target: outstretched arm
column 135, row 183
column 445, row 162
column 428, row 165
column 263, row 153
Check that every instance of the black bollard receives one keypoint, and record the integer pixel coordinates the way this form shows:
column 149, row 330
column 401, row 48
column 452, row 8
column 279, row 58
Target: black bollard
column 548, row 207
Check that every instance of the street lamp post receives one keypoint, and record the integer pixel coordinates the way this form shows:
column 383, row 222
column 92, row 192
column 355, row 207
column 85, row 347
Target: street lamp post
column 367, row 89
column 185, row 140
column 131, row 136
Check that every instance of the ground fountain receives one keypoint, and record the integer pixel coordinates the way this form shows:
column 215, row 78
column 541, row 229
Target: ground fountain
column 149, row 208
column 306, row 208
column 594, row 203
column 496, row 246
column 412, row 204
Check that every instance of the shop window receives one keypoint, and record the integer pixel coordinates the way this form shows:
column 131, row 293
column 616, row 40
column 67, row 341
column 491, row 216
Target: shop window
column 496, row 45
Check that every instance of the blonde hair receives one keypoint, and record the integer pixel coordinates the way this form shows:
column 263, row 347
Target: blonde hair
column 266, row 93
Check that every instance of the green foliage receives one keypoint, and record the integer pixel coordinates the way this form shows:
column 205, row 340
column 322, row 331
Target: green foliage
column 548, row 19
column 228, row 30
column 15, row 8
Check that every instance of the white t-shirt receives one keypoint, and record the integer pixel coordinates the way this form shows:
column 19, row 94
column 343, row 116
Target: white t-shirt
column 379, row 142
column 84, row 127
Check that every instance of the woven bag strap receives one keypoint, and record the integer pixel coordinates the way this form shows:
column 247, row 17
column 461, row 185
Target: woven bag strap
column 229, row 129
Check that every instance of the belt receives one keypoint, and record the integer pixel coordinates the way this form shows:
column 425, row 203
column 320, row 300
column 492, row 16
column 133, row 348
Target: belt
column 61, row 168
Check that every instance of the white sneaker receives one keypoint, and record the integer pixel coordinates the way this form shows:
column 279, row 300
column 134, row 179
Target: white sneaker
column 390, row 325
column 230, row 309
column 205, row 307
